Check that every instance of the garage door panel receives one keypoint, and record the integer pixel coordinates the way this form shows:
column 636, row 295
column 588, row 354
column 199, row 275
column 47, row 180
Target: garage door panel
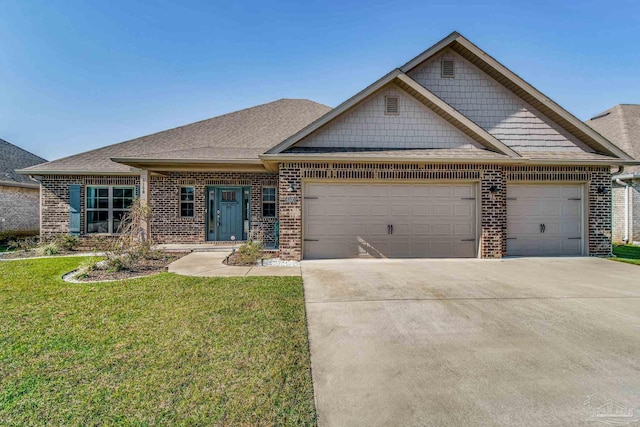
column 428, row 220
column 555, row 206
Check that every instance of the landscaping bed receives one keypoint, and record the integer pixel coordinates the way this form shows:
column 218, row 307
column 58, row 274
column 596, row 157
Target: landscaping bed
column 627, row 253
column 97, row 271
column 161, row 350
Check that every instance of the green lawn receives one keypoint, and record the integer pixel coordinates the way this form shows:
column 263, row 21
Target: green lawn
column 627, row 253
column 165, row 350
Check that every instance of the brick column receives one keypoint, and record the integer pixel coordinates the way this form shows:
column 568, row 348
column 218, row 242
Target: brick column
column 600, row 213
column 494, row 214
column 290, row 203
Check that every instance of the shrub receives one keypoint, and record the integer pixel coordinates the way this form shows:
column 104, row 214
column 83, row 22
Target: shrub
column 48, row 249
column 14, row 235
column 67, row 242
column 248, row 254
column 24, row 244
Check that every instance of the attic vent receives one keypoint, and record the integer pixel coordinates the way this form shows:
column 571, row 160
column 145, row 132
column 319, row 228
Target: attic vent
column 447, row 69
column 391, row 105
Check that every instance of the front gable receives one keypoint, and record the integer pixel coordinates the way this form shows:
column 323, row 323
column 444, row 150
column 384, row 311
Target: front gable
column 493, row 107
column 366, row 126
column 484, row 105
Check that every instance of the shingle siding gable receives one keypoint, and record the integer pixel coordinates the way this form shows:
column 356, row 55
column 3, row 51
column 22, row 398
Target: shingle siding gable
column 493, row 107
column 368, row 127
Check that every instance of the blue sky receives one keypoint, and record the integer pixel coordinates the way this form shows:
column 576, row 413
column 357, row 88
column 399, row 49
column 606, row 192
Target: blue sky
column 77, row 75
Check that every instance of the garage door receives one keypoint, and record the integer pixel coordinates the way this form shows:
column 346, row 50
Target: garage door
column 544, row 220
column 389, row 220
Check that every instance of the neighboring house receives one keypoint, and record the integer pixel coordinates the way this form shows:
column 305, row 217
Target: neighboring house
column 450, row 155
column 19, row 195
column 621, row 125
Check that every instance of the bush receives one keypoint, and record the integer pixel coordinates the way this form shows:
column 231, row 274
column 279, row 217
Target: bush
column 48, row 249
column 67, row 242
column 14, row 235
column 24, row 243
column 248, row 254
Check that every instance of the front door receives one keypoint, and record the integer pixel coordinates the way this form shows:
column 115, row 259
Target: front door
column 229, row 214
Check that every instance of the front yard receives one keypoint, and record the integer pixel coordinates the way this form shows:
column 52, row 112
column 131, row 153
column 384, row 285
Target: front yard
column 165, row 349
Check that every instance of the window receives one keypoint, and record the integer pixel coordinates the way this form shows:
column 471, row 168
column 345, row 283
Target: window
column 228, row 196
column 105, row 208
column 187, row 204
column 269, row 201
column 391, row 105
column 447, row 69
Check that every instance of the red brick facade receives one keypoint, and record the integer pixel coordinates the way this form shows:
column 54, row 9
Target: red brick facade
column 167, row 226
column 493, row 206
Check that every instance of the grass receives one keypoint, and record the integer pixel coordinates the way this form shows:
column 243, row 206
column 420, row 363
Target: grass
column 627, row 253
column 164, row 350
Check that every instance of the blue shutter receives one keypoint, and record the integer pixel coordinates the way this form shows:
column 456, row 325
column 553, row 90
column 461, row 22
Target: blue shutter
column 137, row 196
column 74, row 209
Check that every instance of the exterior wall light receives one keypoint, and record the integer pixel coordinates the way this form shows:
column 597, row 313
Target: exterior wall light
column 494, row 189
column 293, row 186
column 603, row 190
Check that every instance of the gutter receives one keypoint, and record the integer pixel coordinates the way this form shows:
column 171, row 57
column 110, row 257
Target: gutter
column 397, row 159
column 19, row 184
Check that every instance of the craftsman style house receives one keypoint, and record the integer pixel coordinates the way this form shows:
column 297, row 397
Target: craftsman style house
column 449, row 155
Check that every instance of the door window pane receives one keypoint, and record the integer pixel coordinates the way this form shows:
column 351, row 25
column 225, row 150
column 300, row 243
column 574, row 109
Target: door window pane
column 228, row 196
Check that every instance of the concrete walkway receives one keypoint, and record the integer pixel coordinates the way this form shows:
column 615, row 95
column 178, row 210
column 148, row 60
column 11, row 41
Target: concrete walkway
column 526, row 342
column 209, row 264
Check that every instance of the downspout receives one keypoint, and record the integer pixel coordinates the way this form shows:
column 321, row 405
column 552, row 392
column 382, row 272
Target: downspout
column 626, row 208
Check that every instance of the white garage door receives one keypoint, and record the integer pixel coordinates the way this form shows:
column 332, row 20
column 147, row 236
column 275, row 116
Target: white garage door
column 389, row 220
column 544, row 220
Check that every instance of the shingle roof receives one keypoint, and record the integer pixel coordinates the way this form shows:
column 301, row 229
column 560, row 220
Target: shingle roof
column 12, row 158
column 621, row 125
column 243, row 134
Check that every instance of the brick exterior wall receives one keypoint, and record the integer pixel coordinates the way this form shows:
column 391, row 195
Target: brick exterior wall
column 493, row 107
column 167, row 226
column 54, row 197
column 19, row 208
column 493, row 206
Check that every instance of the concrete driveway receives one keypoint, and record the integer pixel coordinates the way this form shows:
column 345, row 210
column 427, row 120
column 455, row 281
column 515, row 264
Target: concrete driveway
column 473, row 342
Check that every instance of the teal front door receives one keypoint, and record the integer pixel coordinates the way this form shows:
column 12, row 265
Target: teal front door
column 229, row 214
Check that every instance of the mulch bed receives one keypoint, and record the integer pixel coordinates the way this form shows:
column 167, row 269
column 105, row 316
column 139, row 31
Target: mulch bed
column 144, row 267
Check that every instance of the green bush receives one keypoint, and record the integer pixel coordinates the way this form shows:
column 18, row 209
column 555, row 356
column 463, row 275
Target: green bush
column 24, row 243
column 9, row 235
column 248, row 254
column 48, row 249
column 67, row 242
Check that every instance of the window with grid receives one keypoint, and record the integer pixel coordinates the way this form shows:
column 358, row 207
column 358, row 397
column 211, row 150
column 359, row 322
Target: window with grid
column 106, row 207
column 187, row 202
column 268, row 201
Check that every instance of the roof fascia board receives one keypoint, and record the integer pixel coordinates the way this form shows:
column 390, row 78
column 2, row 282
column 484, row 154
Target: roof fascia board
column 142, row 160
column 294, row 157
column 490, row 140
column 272, row 158
column 603, row 142
column 340, row 109
column 74, row 172
column 430, row 52
column 19, row 184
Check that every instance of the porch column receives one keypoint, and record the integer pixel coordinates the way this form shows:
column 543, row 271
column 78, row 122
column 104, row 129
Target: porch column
column 144, row 203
